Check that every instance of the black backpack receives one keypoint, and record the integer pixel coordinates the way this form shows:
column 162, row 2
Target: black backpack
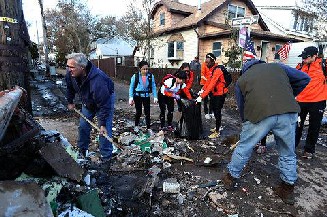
column 136, row 82
column 227, row 76
column 323, row 65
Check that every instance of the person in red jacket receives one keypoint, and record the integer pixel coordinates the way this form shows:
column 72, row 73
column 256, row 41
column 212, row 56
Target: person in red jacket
column 205, row 77
column 216, row 86
column 189, row 79
column 312, row 99
column 169, row 90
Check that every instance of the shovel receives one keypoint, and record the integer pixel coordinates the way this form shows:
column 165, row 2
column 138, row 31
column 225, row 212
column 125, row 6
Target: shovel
column 98, row 129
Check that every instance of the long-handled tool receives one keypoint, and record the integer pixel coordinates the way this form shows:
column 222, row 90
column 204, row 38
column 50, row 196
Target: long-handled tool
column 98, row 129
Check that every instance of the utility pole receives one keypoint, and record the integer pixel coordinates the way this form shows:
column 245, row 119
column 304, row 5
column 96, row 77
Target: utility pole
column 45, row 44
column 14, row 42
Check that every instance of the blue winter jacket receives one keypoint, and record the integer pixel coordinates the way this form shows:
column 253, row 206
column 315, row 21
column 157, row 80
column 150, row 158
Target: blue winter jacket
column 141, row 89
column 297, row 79
column 95, row 92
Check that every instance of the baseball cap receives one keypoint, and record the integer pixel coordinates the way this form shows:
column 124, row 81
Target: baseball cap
column 309, row 51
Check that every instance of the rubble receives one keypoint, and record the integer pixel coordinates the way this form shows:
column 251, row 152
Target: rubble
column 23, row 199
column 159, row 174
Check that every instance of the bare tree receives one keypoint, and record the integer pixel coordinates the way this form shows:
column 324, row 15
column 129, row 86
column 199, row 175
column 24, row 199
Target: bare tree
column 136, row 25
column 72, row 28
column 319, row 9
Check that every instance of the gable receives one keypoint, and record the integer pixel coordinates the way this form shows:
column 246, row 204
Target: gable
column 213, row 11
column 220, row 16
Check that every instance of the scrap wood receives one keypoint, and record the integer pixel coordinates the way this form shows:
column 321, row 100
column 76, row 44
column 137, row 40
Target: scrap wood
column 231, row 148
column 278, row 212
column 176, row 157
column 189, row 147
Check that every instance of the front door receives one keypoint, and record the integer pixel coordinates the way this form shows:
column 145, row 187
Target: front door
column 264, row 51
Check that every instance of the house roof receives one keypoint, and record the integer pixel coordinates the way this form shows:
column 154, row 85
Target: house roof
column 207, row 9
column 175, row 7
column 115, row 46
column 254, row 33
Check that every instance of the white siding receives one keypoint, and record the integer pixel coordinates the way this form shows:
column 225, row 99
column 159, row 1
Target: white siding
column 161, row 49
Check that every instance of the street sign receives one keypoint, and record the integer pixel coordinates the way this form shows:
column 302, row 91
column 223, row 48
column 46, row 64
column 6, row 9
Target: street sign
column 236, row 22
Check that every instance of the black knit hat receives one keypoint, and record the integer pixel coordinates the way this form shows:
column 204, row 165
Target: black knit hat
column 181, row 74
column 211, row 56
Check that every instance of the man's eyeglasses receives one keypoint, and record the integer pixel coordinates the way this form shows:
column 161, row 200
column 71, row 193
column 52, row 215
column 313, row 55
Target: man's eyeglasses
column 70, row 67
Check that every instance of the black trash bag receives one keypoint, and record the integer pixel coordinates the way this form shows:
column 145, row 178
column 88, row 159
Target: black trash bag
column 190, row 124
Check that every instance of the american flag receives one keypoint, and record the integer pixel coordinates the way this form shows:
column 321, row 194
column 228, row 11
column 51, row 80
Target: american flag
column 284, row 51
column 249, row 52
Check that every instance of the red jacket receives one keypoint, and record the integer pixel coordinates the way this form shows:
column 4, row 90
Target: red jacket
column 215, row 84
column 316, row 90
column 205, row 74
column 189, row 83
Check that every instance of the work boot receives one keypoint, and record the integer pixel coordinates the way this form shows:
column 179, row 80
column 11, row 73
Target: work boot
column 286, row 192
column 214, row 135
column 228, row 181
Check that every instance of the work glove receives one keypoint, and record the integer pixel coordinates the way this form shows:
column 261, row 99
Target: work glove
column 200, row 92
column 131, row 101
column 199, row 99
column 155, row 100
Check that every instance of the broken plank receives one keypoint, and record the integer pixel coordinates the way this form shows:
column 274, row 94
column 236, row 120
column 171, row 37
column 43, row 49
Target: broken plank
column 61, row 161
column 176, row 157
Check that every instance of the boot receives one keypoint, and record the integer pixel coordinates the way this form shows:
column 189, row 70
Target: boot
column 228, row 181
column 286, row 192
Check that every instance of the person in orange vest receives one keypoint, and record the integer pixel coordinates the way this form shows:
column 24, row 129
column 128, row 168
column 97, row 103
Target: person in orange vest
column 205, row 76
column 312, row 99
column 218, row 90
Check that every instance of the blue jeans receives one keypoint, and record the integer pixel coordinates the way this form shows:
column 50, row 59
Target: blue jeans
column 85, row 129
column 283, row 127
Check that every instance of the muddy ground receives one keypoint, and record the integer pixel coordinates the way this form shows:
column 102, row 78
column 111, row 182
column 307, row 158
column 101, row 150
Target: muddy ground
column 121, row 186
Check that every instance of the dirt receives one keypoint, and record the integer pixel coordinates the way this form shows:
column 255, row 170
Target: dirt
column 121, row 190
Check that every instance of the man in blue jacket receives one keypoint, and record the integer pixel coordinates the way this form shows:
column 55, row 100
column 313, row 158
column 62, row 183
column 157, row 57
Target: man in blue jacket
column 96, row 91
column 265, row 95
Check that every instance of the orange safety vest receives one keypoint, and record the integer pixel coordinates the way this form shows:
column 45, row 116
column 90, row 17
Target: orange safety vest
column 316, row 90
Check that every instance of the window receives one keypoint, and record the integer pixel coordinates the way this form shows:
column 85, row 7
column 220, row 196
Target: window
column 151, row 52
column 176, row 50
column 277, row 47
column 162, row 19
column 235, row 11
column 216, row 49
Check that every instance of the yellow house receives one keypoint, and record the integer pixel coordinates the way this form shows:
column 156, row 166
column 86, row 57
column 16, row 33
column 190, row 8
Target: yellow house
column 182, row 31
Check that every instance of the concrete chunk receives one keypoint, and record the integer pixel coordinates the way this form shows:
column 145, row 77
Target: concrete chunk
column 23, row 199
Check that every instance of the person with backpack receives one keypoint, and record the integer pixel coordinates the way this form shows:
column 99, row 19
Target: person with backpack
column 205, row 77
column 141, row 86
column 170, row 90
column 312, row 99
column 96, row 91
column 217, row 87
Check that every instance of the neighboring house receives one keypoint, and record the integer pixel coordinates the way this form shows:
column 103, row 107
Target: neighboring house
column 112, row 48
column 287, row 18
column 182, row 31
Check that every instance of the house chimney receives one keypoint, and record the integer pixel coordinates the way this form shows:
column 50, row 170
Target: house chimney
column 199, row 5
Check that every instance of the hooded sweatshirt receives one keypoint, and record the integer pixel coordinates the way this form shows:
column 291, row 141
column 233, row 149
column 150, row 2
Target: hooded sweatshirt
column 267, row 89
column 95, row 91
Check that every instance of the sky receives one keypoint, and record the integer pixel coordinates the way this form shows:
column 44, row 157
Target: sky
column 97, row 7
